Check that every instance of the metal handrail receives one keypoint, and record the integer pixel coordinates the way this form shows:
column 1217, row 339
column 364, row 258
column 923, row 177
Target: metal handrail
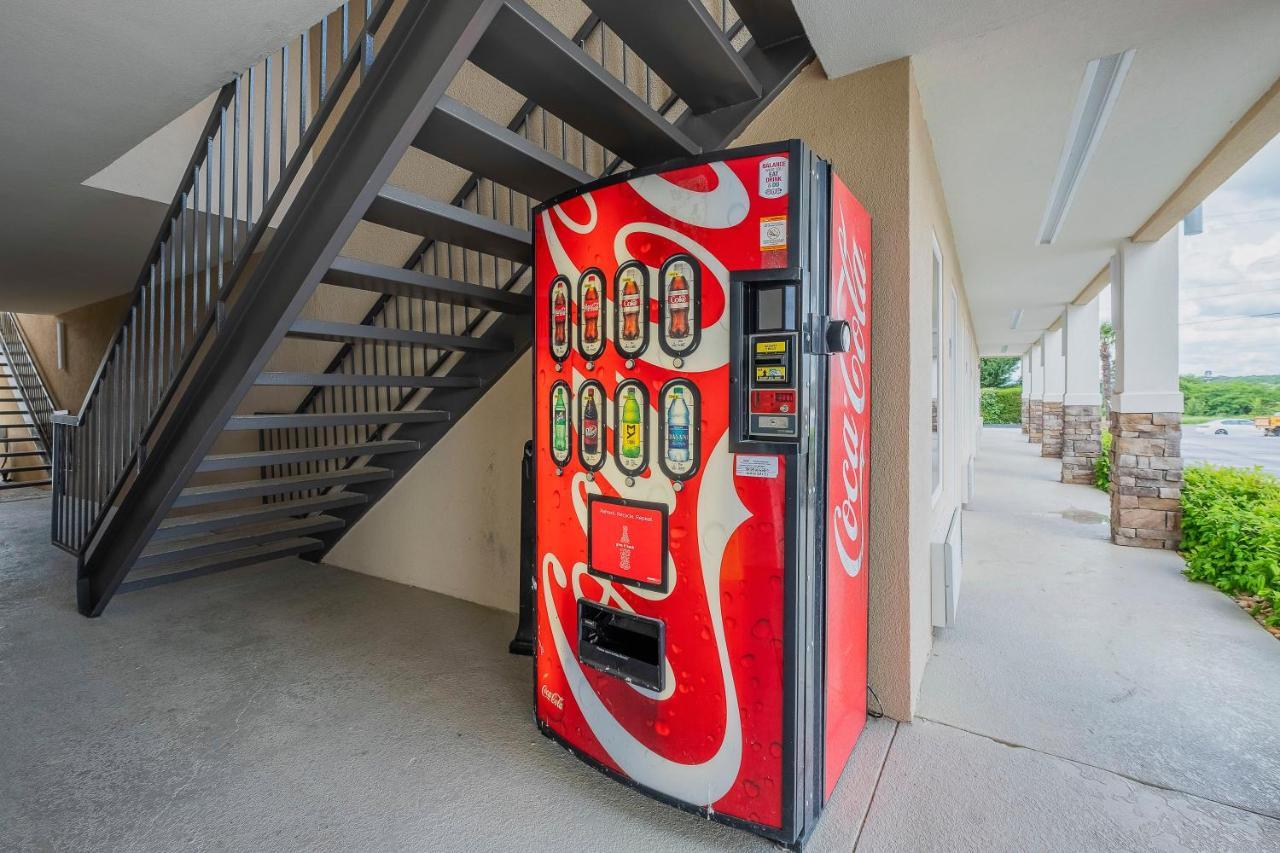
column 175, row 307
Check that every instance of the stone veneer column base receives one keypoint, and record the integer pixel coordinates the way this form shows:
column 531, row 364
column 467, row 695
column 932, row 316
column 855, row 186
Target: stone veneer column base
column 1081, row 443
column 1146, row 479
column 1026, row 415
column 1051, row 429
column 1035, row 421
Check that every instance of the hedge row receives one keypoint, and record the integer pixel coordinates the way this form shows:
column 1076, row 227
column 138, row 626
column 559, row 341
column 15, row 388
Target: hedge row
column 1231, row 532
column 1001, row 405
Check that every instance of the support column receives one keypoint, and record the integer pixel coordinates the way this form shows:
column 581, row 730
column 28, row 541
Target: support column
column 1055, row 382
column 1082, row 402
column 1025, row 380
column 1035, row 401
column 1146, row 409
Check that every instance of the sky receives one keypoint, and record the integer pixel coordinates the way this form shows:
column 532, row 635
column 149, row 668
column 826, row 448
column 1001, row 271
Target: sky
column 1233, row 269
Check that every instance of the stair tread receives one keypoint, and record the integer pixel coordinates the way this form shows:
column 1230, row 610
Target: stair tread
column 368, row 380
column 167, row 573
column 166, row 550
column 24, row 484
column 280, row 421
column 327, row 330
column 684, row 45
column 24, row 469
column 296, row 482
column 182, row 525
column 286, row 456
column 458, row 134
column 397, row 281
column 527, row 53
column 13, row 453
column 769, row 22
column 399, row 208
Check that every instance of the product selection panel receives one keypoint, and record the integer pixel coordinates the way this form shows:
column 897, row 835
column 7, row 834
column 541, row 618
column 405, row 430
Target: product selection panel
column 773, row 398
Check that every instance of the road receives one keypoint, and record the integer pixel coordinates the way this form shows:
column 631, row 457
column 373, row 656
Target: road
column 1242, row 451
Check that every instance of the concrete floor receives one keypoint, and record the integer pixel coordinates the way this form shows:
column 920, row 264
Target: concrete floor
column 1089, row 699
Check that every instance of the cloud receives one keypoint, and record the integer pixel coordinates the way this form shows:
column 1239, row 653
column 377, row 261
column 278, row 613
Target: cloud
column 1231, row 271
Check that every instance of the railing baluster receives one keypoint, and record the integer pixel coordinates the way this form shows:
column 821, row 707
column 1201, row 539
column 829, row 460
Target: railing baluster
column 248, row 158
column 171, row 313
column 266, row 133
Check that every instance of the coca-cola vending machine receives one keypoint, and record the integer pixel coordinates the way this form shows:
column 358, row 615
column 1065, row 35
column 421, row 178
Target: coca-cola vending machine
column 701, row 380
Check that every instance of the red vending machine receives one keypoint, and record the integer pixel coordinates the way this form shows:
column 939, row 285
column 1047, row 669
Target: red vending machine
column 701, row 381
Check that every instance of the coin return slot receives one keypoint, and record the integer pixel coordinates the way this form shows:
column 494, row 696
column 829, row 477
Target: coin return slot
column 621, row 644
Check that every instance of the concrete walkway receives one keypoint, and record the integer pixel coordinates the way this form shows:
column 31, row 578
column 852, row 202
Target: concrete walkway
column 1089, row 699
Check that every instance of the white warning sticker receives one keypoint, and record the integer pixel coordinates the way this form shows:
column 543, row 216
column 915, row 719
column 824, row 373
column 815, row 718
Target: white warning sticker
column 760, row 467
column 773, row 177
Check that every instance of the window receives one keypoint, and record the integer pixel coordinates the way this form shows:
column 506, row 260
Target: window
column 935, row 378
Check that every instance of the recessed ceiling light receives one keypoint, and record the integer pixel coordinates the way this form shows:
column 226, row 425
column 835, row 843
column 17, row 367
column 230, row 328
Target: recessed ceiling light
column 1017, row 319
column 1098, row 92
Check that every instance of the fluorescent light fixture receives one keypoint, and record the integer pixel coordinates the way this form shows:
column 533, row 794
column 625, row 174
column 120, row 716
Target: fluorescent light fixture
column 1017, row 319
column 1098, row 92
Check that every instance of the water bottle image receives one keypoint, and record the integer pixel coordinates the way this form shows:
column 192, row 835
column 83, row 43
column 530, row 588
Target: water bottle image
column 678, row 428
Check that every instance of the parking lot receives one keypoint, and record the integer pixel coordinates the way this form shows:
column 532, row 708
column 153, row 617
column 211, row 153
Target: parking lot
column 1237, row 450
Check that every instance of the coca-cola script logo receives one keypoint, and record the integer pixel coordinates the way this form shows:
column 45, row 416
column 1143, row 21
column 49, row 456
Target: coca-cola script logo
column 553, row 697
column 849, row 298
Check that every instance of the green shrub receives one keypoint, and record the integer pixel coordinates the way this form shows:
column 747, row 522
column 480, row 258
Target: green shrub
column 1231, row 531
column 1001, row 405
column 1102, row 465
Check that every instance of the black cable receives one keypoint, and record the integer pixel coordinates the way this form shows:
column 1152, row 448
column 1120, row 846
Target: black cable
column 879, row 712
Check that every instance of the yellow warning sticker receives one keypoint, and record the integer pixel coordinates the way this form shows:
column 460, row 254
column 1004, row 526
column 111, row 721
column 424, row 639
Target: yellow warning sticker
column 773, row 233
column 771, row 347
column 771, row 373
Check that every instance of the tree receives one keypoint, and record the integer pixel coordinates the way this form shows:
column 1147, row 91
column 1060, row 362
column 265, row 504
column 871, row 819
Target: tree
column 1106, row 344
column 996, row 371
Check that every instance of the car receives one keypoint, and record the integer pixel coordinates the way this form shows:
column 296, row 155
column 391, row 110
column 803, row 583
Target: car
column 1229, row 426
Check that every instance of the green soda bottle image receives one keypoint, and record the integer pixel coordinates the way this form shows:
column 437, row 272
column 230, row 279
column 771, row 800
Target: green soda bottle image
column 560, row 424
column 631, row 444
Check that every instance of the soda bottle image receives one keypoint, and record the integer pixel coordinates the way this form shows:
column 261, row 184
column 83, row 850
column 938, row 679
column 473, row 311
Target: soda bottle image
column 590, row 312
column 629, row 305
column 560, row 424
column 591, row 425
column 677, row 427
column 631, row 438
column 560, row 318
column 678, row 305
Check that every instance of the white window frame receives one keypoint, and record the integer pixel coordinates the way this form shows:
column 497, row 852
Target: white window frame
column 937, row 315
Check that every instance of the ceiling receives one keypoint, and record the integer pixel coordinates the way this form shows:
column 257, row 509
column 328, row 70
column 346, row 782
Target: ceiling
column 998, row 80
column 80, row 89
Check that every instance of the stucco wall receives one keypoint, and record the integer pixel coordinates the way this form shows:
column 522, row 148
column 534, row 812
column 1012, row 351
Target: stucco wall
column 452, row 524
column 88, row 331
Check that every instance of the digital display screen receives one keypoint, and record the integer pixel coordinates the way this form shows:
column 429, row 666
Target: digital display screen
column 773, row 308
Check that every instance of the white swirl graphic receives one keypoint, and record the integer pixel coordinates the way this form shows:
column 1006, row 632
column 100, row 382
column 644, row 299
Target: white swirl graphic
column 700, row 784
column 579, row 227
column 559, row 257
column 723, row 207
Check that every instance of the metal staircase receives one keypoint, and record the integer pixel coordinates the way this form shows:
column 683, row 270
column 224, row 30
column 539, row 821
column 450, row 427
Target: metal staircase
column 26, row 412
column 246, row 410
